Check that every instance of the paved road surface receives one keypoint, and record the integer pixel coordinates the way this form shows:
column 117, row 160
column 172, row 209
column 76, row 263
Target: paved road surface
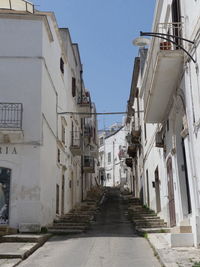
column 110, row 243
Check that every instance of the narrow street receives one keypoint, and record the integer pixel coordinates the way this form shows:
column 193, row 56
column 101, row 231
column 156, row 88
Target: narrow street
column 111, row 242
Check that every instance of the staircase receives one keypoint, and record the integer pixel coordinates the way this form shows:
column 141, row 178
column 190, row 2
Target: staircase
column 78, row 220
column 6, row 230
column 144, row 219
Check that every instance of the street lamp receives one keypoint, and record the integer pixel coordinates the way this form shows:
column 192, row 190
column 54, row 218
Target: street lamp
column 141, row 41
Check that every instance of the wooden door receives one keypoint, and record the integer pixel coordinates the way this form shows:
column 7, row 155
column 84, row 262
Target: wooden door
column 172, row 212
column 5, row 175
column 157, row 188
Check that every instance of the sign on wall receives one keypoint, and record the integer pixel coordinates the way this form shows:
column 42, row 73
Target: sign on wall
column 5, row 174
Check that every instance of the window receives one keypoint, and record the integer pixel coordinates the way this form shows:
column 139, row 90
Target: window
column 167, row 125
column 73, row 87
column 57, row 199
column 145, row 131
column 61, row 65
column 109, row 157
column 101, row 141
column 108, row 176
column 63, row 134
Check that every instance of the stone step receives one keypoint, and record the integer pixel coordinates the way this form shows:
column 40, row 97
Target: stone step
column 76, row 215
column 148, row 221
column 145, row 217
column 141, row 230
column 70, row 223
column 56, row 226
column 149, row 225
column 17, row 250
column 33, row 238
column 140, row 210
column 6, row 230
column 64, row 231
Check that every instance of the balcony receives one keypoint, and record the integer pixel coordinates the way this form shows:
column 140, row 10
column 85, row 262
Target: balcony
column 164, row 70
column 88, row 131
column 136, row 135
column 88, row 164
column 132, row 150
column 129, row 162
column 11, row 122
column 19, row 5
column 84, row 104
column 76, row 143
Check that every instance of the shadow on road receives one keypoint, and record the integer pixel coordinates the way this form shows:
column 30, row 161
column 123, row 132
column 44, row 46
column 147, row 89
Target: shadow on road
column 111, row 220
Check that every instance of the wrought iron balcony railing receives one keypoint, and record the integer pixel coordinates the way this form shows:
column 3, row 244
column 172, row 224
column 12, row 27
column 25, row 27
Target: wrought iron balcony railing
column 11, row 116
column 84, row 99
column 173, row 30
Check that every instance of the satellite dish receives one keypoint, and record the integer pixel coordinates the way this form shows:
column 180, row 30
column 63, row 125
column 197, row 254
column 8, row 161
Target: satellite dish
column 141, row 41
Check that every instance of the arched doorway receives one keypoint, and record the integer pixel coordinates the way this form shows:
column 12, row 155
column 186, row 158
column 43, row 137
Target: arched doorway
column 5, row 175
column 172, row 213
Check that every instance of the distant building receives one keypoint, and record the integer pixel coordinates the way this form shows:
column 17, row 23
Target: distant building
column 112, row 149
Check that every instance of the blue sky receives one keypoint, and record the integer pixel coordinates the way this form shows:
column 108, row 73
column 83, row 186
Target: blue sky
column 104, row 30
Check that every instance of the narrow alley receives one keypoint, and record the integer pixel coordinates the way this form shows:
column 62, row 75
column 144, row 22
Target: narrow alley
column 111, row 242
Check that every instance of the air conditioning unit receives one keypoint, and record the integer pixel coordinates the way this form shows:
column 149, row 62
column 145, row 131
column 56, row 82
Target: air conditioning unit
column 159, row 139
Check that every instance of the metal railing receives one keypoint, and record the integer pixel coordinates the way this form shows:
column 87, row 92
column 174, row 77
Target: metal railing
column 171, row 29
column 11, row 115
column 17, row 5
column 83, row 99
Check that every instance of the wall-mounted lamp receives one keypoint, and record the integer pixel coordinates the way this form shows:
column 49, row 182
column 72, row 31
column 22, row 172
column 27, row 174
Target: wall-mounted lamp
column 141, row 41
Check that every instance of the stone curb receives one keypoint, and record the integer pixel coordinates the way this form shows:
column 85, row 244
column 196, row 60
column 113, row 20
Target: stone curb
column 156, row 253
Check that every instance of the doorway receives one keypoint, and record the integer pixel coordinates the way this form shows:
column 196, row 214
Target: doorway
column 147, row 184
column 172, row 213
column 63, row 195
column 157, row 189
column 5, row 175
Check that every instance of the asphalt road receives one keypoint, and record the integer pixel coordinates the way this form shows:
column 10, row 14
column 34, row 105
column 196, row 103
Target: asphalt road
column 111, row 242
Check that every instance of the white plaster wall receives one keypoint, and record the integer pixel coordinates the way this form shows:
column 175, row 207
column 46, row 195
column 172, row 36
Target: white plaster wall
column 30, row 74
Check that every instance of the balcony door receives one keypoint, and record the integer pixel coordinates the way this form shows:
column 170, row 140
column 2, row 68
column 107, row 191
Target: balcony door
column 4, row 195
column 176, row 20
column 176, row 11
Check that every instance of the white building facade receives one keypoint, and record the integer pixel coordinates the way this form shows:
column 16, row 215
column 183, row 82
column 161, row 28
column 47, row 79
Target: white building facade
column 168, row 93
column 41, row 146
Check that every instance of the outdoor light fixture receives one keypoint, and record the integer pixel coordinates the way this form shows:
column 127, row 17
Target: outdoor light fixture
column 141, row 41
